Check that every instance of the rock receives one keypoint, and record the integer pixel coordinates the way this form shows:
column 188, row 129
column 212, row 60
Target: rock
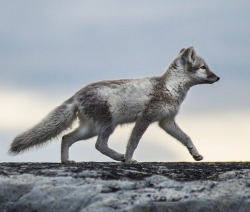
column 94, row 186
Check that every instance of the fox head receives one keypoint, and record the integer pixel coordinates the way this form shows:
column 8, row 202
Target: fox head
column 195, row 67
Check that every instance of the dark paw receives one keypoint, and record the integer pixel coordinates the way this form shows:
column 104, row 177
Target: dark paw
column 198, row 157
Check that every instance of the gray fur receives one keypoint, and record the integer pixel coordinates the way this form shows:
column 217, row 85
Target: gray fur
column 51, row 126
column 102, row 106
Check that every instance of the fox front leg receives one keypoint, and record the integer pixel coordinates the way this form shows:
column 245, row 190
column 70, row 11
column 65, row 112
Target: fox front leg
column 174, row 130
column 140, row 127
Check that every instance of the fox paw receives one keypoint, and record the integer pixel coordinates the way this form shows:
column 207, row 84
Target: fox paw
column 131, row 162
column 198, row 157
column 68, row 162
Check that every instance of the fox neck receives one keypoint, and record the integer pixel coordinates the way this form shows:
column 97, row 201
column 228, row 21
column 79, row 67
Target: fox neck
column 177, row 83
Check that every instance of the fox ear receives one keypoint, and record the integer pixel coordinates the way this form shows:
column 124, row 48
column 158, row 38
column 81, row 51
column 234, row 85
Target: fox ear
column 189, row 54
column 182, row 50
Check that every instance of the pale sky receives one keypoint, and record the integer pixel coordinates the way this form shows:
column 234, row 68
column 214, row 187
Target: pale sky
column 51, row 49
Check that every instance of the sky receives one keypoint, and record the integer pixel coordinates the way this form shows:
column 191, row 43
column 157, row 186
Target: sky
column 51, row 49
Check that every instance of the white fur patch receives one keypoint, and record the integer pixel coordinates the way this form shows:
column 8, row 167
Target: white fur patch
column 128, row 100
column 176, row 84
column 201, row 74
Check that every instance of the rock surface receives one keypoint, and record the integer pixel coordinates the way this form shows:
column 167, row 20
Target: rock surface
column 93, row 186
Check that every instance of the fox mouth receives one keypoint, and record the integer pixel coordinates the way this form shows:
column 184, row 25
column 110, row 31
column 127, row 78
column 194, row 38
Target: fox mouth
column 211, row 81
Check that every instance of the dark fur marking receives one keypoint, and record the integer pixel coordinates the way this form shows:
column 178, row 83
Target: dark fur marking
column 95, row 108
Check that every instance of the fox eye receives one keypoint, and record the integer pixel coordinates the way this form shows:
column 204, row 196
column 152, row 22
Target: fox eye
column 203, row 67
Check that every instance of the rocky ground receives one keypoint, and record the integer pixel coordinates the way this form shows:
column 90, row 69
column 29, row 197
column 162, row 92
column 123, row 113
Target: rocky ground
column 94, row 186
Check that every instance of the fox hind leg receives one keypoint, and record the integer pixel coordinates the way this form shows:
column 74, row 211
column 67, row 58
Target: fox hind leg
column 83, row 132
column 102, row 145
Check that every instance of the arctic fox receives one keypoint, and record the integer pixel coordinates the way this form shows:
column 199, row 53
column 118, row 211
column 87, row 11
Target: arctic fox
column 101, row 106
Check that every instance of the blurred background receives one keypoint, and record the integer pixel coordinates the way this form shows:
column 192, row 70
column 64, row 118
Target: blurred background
column 51, row 49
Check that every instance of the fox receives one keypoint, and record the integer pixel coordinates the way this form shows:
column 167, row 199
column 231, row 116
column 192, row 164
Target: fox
column 101, row 106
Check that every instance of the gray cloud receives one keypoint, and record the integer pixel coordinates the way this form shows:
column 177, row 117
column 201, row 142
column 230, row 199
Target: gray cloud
column 62, row 46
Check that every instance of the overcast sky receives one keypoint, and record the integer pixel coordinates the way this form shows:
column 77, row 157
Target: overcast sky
column 50, row 49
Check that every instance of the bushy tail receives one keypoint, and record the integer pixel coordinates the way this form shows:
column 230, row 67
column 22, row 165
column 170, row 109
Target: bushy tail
column 58, row 120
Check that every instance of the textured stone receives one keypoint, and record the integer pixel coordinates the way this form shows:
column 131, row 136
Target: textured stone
column 120, row 187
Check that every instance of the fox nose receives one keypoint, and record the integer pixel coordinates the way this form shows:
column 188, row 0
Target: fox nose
column 217, row 79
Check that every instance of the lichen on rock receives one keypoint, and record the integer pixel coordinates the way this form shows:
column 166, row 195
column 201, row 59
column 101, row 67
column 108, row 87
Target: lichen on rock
column 121, row 187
